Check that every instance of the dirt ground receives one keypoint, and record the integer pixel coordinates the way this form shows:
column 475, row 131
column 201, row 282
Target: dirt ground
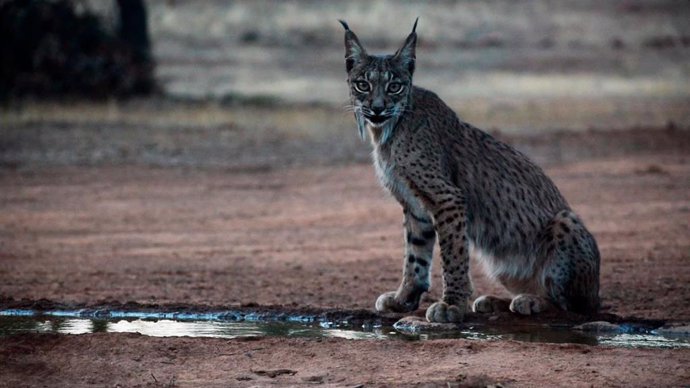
column 133, row 360
column 323, row 237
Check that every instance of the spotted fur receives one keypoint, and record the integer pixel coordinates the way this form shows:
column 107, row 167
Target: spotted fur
column 479, row 196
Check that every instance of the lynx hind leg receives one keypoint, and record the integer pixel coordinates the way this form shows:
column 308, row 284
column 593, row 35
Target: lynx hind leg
column 420, row 238
column 528, row 304
column 571, row 275
column 490, row 304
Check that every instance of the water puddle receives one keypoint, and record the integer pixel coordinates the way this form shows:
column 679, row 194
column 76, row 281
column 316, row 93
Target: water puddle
column 248, row 325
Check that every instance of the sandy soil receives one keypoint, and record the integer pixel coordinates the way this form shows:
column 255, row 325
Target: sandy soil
column 132, row 360
column 323, row 237
column 88, row 234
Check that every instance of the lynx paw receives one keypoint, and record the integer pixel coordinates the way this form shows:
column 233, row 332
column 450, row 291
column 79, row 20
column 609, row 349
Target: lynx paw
column 527, row 304
column 388, row 303
column 489, row 304
column 442, row 312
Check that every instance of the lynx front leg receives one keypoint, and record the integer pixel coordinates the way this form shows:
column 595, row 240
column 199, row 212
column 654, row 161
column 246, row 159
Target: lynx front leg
column 449, row 220
column 446, row 203
column 419, row 247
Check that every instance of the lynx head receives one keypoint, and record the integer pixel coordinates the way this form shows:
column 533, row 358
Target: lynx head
column 380, row 85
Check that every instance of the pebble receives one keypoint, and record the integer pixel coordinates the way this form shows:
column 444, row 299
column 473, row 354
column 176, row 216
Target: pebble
column 599, row 327
column 676, row 329
column 417, row 325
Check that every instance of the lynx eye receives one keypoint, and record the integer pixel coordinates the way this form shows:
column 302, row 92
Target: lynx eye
column 362, row 86
column 394, row 87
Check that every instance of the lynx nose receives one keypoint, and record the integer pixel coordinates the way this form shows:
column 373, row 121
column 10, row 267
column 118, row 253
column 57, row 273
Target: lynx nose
column 377, row 109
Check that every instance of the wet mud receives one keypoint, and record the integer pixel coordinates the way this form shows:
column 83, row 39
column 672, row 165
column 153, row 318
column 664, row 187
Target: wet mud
column 274, row 322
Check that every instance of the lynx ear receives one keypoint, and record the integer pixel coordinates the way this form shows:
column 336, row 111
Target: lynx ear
column 406, row 54
column 354, row 51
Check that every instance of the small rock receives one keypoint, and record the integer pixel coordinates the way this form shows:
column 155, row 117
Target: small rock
column 652, row 169
column 275, row 373
column 415, row 325
column 314, row 379
column 675, row 330
column 599, row 327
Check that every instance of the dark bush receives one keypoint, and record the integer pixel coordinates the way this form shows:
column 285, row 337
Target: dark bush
column 49, row 49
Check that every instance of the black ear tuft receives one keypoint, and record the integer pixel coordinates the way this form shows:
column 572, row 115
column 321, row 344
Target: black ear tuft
column 414, row 28
column 354, row 51
column 347, row 28
column 406, row 54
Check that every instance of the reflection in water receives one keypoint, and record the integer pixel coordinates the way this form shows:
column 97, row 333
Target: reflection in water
column 642, row 341
column 100, row 326
column 168, row 328
column 73, row 326
column 352, row 334
column 10, row 325
column 552, row 336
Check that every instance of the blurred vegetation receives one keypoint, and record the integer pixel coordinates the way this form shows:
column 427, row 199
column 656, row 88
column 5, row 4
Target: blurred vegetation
column 55, row 48
column 249, row 83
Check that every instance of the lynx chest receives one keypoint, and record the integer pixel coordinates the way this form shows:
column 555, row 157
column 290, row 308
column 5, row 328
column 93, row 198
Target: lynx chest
column 391, row 178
